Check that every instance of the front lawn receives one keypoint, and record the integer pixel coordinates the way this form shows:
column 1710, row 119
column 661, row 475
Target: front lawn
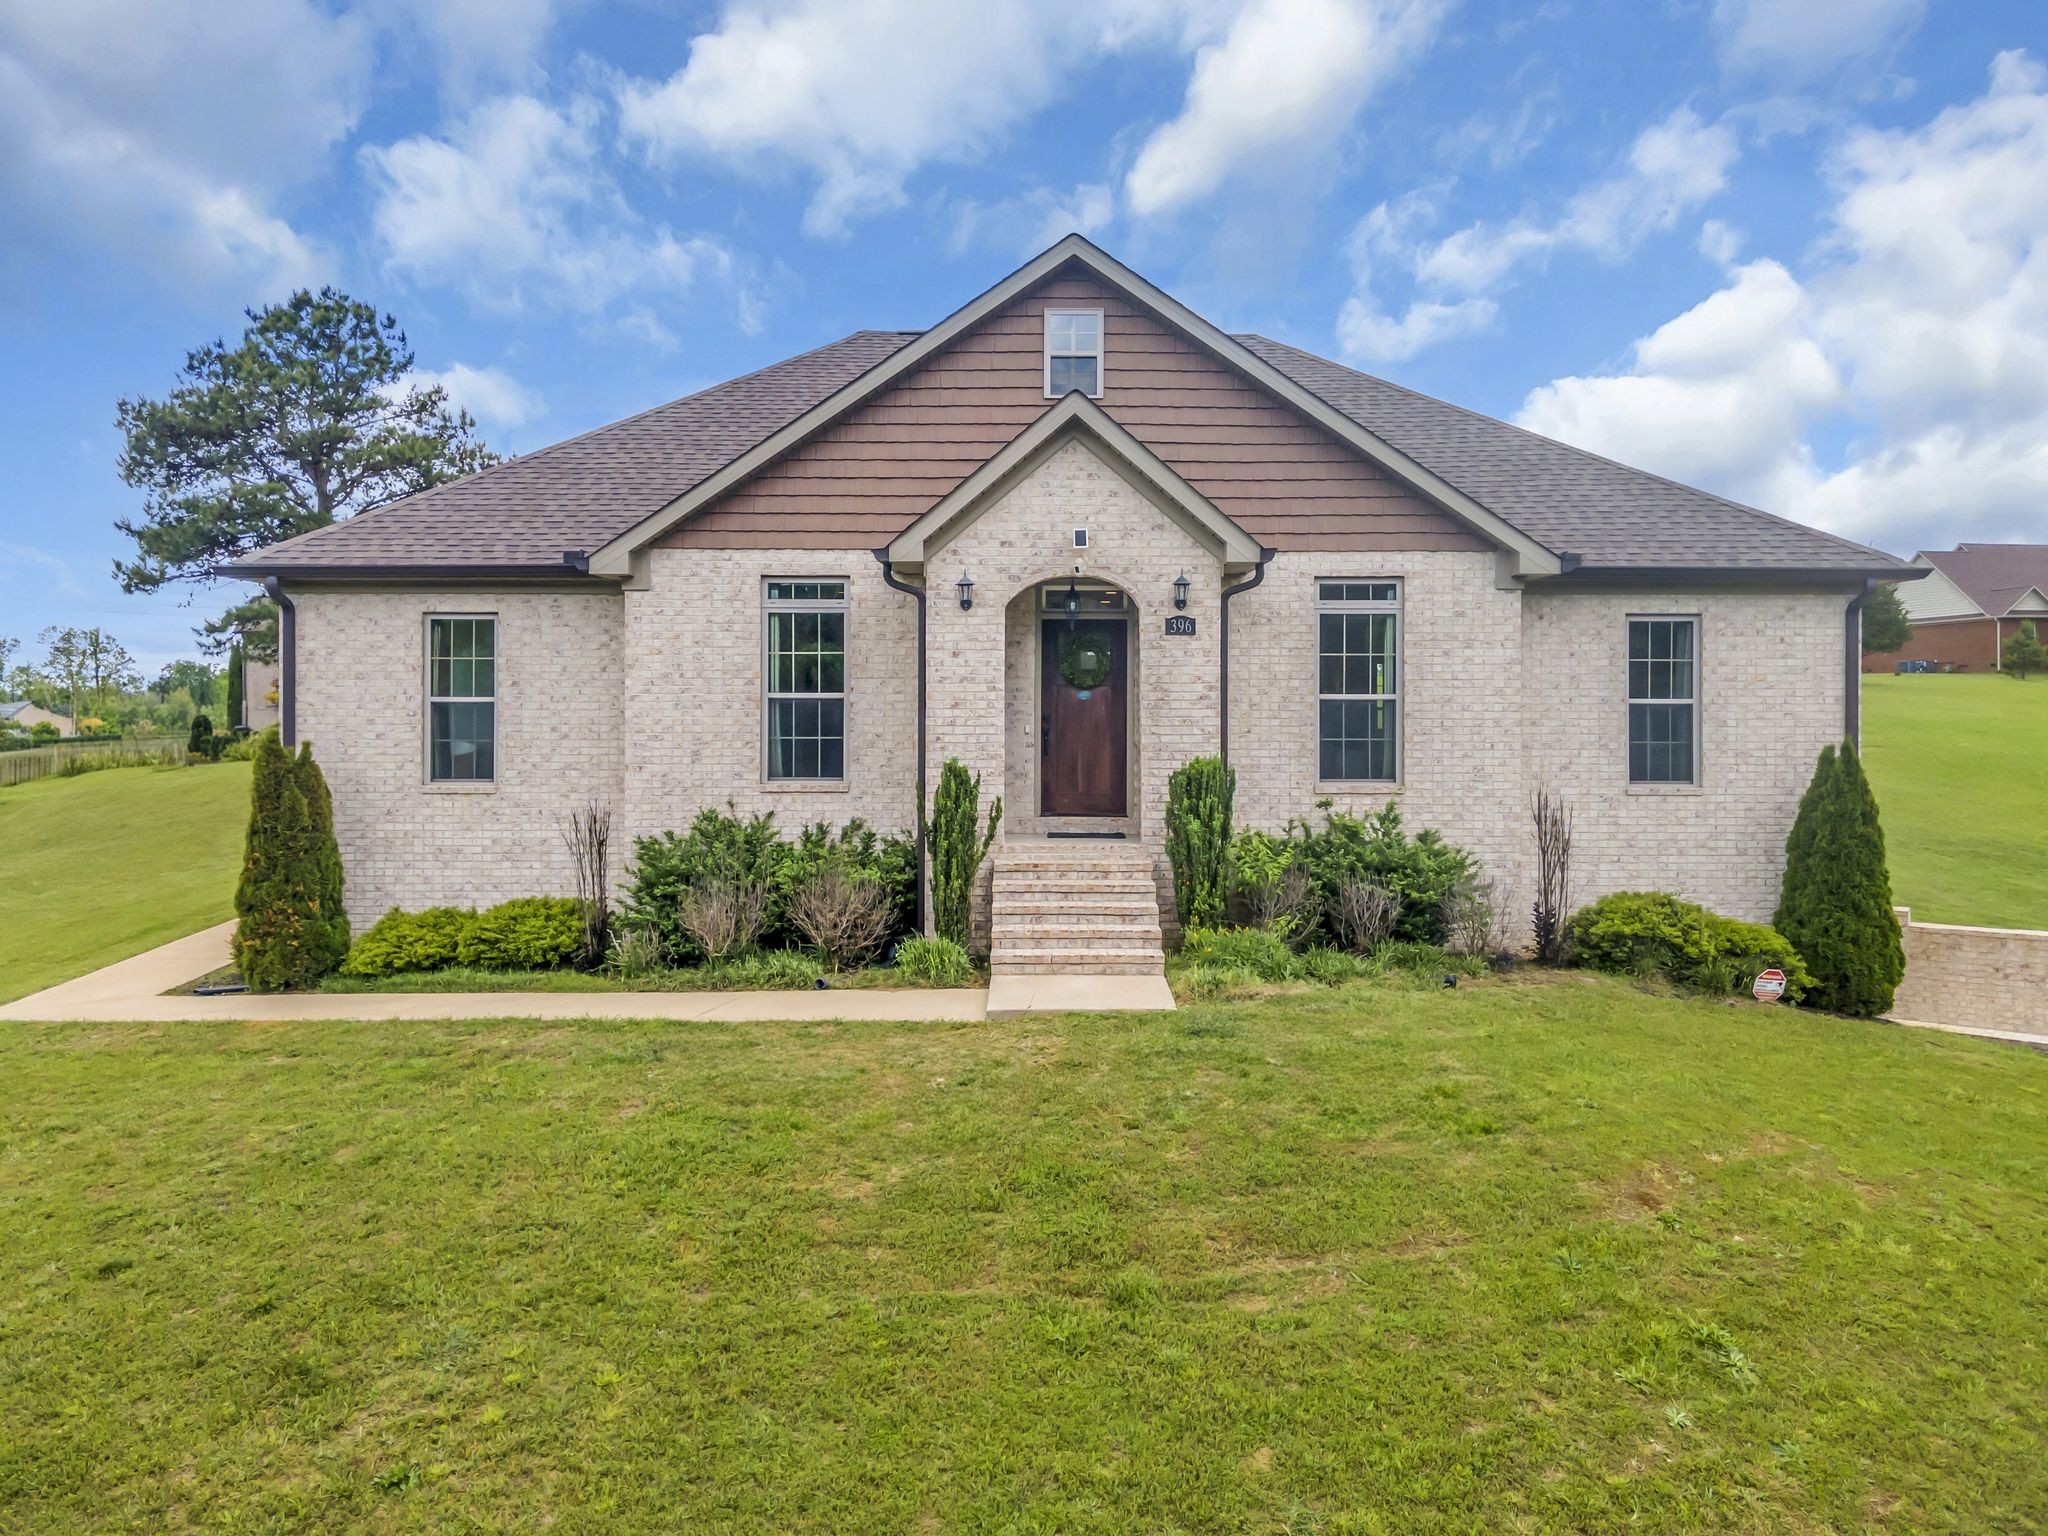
column 1958, row 764
column 1551, row 1254
column 105, row 865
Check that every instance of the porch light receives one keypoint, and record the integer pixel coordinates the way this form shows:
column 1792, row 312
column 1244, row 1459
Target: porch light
column 1073, row 603
column 966, row 586
column 1180, row 590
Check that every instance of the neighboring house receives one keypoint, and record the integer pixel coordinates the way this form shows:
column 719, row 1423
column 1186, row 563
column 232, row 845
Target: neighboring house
column 1974, row 598
column 27, row 716
column 260, row 686
column 759, row 595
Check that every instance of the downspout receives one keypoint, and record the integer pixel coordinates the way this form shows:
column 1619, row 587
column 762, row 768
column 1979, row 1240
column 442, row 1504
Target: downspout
column 1223, row 635
column 287, row 664
column 1852, row 662
column 889, row 576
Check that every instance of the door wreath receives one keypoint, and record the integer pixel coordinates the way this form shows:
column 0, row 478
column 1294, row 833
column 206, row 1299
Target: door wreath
column 1084, row 662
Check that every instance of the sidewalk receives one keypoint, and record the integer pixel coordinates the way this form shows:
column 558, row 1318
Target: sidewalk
column 131, row 991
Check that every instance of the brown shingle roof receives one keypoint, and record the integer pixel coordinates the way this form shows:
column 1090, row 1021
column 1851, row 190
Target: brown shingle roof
column 1993, row 576
column 523, row 514
column 527, row 511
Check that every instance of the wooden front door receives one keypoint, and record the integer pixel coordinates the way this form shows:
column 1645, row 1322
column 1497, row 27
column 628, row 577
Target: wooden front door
column 1081, row 746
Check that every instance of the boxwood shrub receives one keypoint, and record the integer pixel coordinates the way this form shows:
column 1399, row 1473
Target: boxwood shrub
column 529, row 933
column 408, row 941
column 1653, row 933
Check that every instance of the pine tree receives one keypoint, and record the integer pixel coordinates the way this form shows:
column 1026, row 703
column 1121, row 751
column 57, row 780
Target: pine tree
column 292, row 930
column 2024, row 653
column 1836, row 903
column 324, row 859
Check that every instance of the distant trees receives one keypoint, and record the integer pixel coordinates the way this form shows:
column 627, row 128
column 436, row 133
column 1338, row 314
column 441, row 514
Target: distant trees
column 2024, row 654
column 307, row 419
column 90, row 666
column 1885, row 625
column 195, row 677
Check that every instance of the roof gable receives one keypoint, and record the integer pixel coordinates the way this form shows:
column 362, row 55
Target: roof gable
column 615, row 558
column 1075, row 418
column 1994, row 577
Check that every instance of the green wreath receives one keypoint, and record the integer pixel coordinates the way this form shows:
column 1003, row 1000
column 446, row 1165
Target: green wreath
column 1084, row 663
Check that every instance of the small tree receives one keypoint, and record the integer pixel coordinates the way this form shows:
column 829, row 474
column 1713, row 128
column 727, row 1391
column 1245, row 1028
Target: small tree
column 1885, row 625
column 2024, row 653
column 957, row 843
column 1199, row 797
column 1836, row 904
column 235, row 717
column 200, row 742
column 1553, row 875
column 292, row 929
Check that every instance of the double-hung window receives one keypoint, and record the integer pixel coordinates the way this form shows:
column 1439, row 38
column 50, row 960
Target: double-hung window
column 1073, row 351
column 1358, row 681
column 806, row 675
column 1663, row 700
column 462, row 699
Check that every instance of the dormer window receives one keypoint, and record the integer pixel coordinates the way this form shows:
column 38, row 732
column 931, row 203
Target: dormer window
column 1073, row 351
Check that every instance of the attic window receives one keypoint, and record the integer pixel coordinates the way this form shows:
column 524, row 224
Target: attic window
column 1073, row 351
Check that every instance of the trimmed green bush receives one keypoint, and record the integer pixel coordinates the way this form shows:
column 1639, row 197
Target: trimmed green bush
column 1421, row 873
column 1199, row 797
column 400, row 942
column 528, row 933
column 1836, row 903
column 717, row 847
column 200, row 741
column 934, row 962
column 292, row 930
column 956, row 843
column 1653, row 933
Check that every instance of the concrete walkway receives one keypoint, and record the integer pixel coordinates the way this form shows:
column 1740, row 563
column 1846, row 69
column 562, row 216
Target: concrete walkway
column 132, row 991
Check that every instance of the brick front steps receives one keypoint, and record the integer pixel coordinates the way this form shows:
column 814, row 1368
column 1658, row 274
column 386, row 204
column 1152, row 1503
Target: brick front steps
column 1074, row 909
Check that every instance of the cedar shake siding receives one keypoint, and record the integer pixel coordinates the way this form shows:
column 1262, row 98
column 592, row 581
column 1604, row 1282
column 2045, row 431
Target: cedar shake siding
column 1285, row 481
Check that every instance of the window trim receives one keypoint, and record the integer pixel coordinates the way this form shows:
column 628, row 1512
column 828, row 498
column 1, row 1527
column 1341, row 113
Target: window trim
column 1656, row 786
column 1101, row 346
column 429, row 699
column 1397, row 607
column 840, row 605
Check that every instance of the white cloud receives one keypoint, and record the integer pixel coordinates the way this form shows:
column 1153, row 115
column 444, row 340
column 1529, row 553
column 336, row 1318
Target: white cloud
column 169, row 130
column 1922, row 330
column 1807, row 37
column 473, row 41
column 1029, row 222
column 491, row 395
column 513, row 205
column 1673, row 166
column 1285, row 79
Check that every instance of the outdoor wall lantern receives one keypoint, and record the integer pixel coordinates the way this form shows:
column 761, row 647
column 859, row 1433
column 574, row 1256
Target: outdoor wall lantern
column 1180, row 590
column 1073, row 603
column 966, row 586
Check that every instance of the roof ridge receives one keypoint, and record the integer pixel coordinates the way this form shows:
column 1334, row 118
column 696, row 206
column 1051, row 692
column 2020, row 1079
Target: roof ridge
column 1572, row 448
column 524, row 458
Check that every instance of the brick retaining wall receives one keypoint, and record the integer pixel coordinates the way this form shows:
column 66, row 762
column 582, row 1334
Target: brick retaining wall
column 1986, row 978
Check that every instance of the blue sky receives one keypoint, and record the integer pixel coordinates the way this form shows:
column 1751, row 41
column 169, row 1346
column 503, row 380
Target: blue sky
column 1790, row 251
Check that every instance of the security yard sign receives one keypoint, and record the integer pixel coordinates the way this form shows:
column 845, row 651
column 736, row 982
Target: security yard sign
column 1770, row 985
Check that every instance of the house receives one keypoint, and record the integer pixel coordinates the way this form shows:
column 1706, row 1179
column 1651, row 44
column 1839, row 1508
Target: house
column 1073, row 535
column 26, row 716
column 1972, row 600
column 259, row 694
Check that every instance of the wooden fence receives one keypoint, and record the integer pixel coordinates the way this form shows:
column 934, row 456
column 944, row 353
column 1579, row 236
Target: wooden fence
column 84, row 755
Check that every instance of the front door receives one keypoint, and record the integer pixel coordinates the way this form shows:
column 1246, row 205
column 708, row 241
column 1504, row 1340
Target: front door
column 1081, row 756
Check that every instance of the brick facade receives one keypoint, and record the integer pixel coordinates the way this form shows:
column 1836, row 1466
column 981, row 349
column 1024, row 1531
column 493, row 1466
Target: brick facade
column 652, row 702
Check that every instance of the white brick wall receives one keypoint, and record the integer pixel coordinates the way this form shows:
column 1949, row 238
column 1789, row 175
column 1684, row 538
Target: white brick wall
column 694, row 652
column 361, row 659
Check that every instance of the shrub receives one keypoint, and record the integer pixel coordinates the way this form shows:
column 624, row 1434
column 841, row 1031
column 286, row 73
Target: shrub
column 2024, row 654
column 1653, row 933
column 719, row 847
column 1473, row 919
column 957, row 844
column 408, row 941
column 934, row 962
column 635, row 953
column 781, row 969
column 889, row 861
column 843, row 912
column 1255, row 950
column 244, row 748
column 1362, row 915
column 1328, row 967
column 43, row 732
column 587, row 834
column 528, row 933
column 1553, row 875
column 235, row 721
column 1419, row 872
column 721, row 917
column 1271, row 884
column 292, row 930
column 1836, row 903
column 200, row 742
column 1199, row 795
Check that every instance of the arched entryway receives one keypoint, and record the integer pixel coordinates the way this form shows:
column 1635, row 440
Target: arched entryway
column 1071, row 687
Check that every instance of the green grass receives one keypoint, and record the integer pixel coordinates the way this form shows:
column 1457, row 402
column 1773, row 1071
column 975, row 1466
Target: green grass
column 1959, row 765
column 102, row 866
column 1550, row 1255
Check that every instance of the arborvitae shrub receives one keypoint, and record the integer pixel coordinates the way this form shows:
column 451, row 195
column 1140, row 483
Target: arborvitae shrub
column 1199, row 796
column 956, row 843
column 1836, row 904
column 324, row 873
column 199, row 742
column 282, row 932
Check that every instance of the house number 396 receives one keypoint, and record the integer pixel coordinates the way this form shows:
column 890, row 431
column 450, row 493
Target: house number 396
column 1180, row 624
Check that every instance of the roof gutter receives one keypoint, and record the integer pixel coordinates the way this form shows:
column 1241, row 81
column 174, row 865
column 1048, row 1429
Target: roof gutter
column 287, row 663
column 1223, row 636
column 1852, row 662
column 891, row 578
